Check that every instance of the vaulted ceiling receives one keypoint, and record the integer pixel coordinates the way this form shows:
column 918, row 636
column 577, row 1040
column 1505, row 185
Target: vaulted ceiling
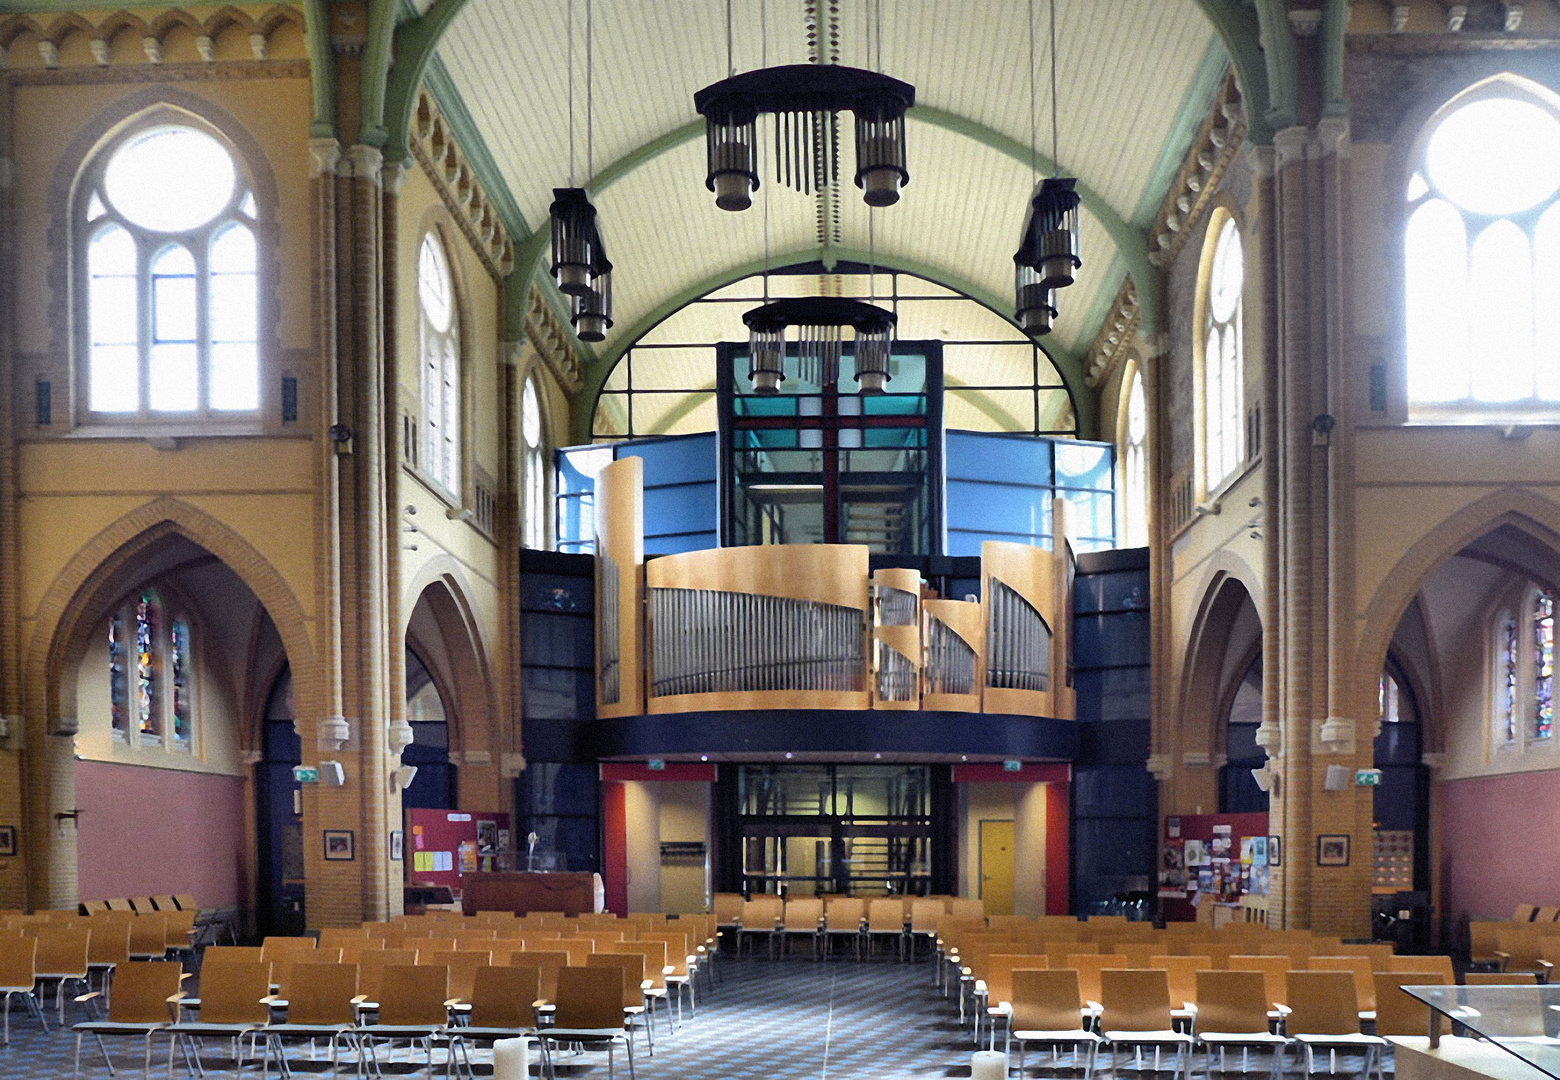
column 1135, row 79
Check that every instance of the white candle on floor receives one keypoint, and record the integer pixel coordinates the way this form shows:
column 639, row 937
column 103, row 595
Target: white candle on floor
column 988, row 1065
column 510, row 1061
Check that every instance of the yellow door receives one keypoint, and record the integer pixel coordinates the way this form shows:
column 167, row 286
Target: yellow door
column 996, row 866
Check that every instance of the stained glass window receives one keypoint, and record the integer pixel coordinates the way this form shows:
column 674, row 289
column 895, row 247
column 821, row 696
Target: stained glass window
column 146, row 618
column 179, row 675
column 118, row 677
column 172, row 303
column 1543, row 664
column 1508, row 675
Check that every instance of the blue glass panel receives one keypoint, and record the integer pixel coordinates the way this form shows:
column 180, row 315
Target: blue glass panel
column 997, row 509
column 1081, row 464
column 1003, row 459
column 686, row 508
column 676, row 460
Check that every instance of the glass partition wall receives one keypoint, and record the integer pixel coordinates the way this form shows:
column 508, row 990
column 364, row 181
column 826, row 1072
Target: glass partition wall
column 855, row 830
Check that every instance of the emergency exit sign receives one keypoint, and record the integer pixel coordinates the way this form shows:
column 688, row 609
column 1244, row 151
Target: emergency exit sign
column 306, row 774
column 1367, row 777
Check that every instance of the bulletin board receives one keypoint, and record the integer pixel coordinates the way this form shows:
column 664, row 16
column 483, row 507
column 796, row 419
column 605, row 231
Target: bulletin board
column 1211, row 857
column 441, row 845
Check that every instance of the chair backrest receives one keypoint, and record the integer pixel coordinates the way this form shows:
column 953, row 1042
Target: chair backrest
column 1524, row 913
column 1232, row 1002
column 62, row 950
column 924, row 914
column 142, row 904
column 285, row 967
column 372, row 964
column 654, row 953
column 186, row 902
column 149, row 934
column 1500, row 978
column 1045, row 1000
column 230, row 993
column 577, row 948
column 501, row 997
column 414, row 995
column 589, row 997
column 1398, row 1012
column 275, row 946
column 342, row 936
column 886, row 915
column 231, row 954
column 1380, row 954
column 352, row 948
column 142, row 990
column 1440, row 966
column 728, row 908
column 1139, row 953
column 845, row 912
column 110, row 942
column 1090, row 966
column 1182, row 973
column 1363, row 969
column 633, row 965
column 1522, row 941
column 549, row 963
column 999, row 973
column 323, row 993
column 1482, row 940
column 463, row 967
column 18, row 967
column 1546, row 914
column 179, row 926
column 603, row 939
column 1275, row 970
column 1135, row 999
column 967, row 909
column 1322, row 1003
column 802, row 915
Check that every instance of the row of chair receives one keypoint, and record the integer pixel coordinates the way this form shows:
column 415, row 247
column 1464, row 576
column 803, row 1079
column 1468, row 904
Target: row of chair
column 36, row 952
column 1532, row 947
column 1535, row 913
column 416, row 1004
column 142, row 904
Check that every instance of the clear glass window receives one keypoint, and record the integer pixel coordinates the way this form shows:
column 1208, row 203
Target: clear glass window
column 1134, row 466
column 1224, row 389
column 534, row 534
column 440, row 335
column 170, row 280
column 1481, row 255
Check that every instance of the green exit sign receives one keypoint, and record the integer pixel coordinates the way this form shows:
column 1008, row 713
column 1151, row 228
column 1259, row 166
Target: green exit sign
column 1367, row 777
column 306, row 774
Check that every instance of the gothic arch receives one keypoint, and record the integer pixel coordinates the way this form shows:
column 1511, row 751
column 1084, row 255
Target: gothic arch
column 61, row 609
column 1229, row 584
column 437, row 606
column 1521, row 508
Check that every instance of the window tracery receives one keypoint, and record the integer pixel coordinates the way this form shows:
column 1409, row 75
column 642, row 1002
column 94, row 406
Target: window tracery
column 151, row 673
column 1224, row 391
column 1134, row 465
column 534, row 468
column 440, row 346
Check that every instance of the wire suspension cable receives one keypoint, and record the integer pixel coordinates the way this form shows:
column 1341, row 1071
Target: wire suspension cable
column 590, row 92
column 731, row 56
column 1056, row 157
column 1034, row 152
column 570, row 50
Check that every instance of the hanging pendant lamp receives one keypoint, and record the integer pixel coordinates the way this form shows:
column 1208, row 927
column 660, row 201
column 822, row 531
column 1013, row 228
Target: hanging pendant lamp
column 592, row 314
column 575, row 240
column 820, row 322
column 579, row 257
column 806, row 100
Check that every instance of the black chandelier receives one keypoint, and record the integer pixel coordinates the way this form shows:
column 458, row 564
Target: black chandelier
column 579, row 262
column 806, row 100
column 820, row 323
column 1047, row 253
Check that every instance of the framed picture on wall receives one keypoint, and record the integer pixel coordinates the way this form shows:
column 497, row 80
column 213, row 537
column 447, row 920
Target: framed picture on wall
column 7, row 840
column 397, row 845
column 339, row 845
column 1274, row 852
column 1332, row 850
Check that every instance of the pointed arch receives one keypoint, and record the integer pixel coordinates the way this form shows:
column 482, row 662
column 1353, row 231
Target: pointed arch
column 223, row 18
column 1229, row 584
column 437, row 600
column 67, row 24
column 62, row 608
column 1520, row 508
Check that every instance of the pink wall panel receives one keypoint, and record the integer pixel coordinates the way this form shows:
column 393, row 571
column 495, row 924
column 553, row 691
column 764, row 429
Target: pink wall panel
column 1498, row 843
column 155, row 831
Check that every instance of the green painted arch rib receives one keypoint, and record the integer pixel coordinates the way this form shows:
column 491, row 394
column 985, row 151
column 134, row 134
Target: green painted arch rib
column 1256, row 33
column 374, row 71
column 415, row 41
column 1069, row 366
column 1131, row 242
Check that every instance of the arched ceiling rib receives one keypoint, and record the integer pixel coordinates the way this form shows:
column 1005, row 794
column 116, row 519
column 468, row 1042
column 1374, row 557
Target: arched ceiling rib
column 1126, row 71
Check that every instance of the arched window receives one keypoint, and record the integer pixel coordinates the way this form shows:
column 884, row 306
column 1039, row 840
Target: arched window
column 533, row 469
column 1543, row 726
column 169, row 273
column 1224, row 387
column 440, row 336
column 151, row 674
column 1134, row 465
column 1481, row 253
column 1507, row 661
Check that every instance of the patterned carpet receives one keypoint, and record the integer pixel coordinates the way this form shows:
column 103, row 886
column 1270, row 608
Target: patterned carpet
column 774, row 1020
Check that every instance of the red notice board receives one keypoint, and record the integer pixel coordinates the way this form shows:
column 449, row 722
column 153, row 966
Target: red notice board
column 441, row 845
column 1210, row 857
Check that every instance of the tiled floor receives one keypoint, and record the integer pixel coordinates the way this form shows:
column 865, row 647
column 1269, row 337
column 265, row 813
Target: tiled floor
column 775, row 1020
column 766, row 1020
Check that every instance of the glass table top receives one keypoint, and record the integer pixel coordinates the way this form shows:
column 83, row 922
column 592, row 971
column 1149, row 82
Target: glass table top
column 1522, row 1020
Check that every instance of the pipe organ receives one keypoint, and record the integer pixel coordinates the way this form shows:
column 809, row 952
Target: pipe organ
column 810, row 626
